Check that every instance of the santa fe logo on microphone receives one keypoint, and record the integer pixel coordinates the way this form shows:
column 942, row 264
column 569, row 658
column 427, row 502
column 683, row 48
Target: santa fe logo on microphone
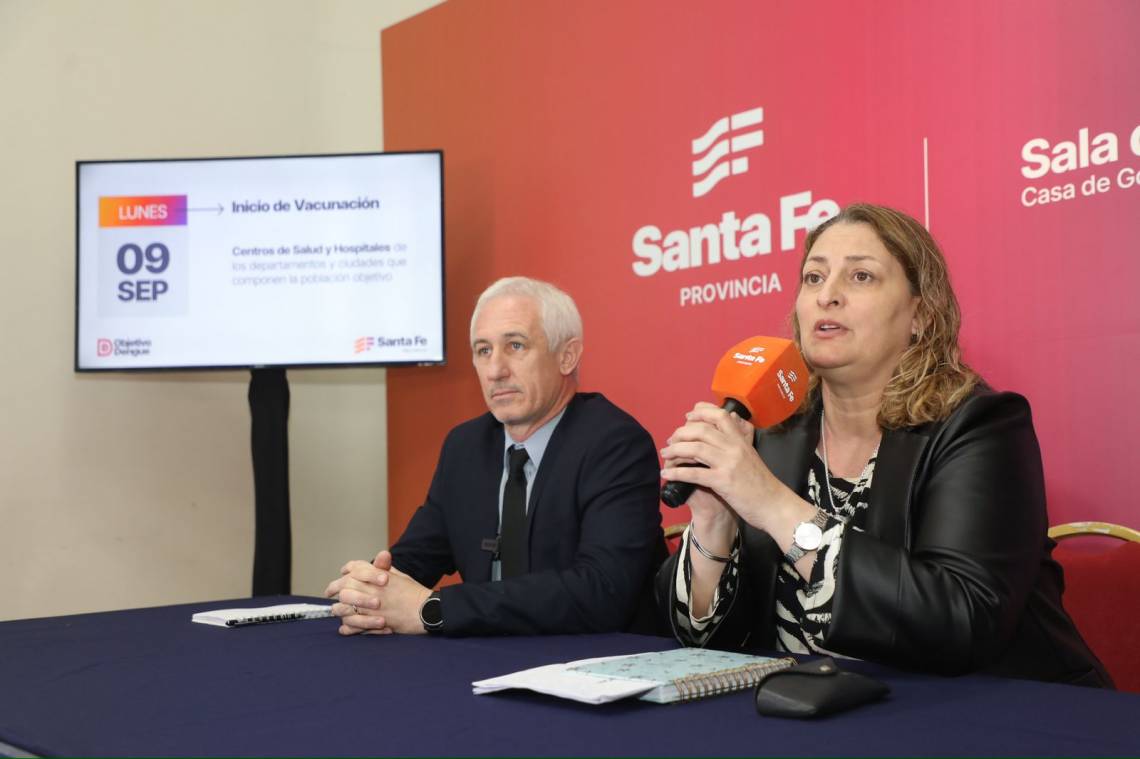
column 716, row 152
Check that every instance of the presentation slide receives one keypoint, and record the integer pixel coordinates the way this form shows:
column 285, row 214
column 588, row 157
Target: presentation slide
column 252, row 262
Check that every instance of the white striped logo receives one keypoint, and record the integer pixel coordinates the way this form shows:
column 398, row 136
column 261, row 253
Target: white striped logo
column 716, row 152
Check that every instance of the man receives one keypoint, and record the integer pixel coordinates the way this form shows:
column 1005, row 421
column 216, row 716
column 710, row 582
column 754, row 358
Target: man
column 547, row 506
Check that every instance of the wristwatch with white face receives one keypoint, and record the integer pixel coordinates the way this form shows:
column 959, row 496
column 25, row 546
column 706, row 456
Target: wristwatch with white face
column 807, row 537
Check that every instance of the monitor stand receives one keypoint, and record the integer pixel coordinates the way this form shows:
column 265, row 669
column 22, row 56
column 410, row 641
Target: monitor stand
column 269, row 437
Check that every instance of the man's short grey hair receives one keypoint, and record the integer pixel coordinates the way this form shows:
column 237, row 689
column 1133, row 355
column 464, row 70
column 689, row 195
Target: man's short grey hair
column 560, row 318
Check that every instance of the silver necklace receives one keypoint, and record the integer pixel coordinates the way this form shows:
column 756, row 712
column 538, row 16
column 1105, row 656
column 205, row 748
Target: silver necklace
column 826, row 466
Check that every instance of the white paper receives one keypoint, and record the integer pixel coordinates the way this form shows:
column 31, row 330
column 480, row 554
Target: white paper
column 279, row 613
column 562, row 681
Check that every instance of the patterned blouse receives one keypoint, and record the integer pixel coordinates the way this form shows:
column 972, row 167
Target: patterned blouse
column 803, row 607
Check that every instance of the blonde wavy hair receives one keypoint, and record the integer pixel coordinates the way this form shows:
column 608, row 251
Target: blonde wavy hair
column 931, row 379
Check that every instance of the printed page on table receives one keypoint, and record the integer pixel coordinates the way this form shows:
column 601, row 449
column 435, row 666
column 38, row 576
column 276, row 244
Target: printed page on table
column 564, row 681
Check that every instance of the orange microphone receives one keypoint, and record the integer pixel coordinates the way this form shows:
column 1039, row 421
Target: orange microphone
column 762, row 379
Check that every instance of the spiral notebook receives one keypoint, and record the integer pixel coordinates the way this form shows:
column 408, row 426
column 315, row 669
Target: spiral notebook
column 264, row 615
column 663, row 677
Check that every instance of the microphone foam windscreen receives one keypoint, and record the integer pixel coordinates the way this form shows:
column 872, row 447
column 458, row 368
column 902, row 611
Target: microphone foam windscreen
column 766, row 374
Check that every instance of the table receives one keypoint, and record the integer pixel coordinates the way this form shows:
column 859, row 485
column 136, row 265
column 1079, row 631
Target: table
column 149, row 682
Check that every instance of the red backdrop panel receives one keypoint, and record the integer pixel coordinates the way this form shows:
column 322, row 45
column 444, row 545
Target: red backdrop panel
column 569, row 129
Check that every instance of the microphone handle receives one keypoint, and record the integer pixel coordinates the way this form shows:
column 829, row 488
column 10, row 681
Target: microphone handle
column 676, row 494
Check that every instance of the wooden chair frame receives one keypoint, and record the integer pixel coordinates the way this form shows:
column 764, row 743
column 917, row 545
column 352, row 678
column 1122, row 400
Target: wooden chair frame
column 1107, row 529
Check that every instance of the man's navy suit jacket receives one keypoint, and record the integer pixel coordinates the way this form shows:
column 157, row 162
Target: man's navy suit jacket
column 593, row 527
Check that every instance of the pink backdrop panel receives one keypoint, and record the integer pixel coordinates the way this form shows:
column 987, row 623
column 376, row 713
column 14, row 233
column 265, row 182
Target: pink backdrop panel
column 573, row 152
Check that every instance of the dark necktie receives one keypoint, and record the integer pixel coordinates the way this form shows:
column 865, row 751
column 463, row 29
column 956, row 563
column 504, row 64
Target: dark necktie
column 512, row 553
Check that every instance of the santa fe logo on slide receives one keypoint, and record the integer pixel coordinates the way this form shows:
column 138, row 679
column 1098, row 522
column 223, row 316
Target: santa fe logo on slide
column 716, row 153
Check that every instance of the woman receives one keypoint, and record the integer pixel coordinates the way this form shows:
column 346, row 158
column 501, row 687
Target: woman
column 928, row 549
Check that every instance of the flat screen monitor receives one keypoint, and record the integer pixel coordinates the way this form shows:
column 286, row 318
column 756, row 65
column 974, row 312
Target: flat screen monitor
column 282, row 261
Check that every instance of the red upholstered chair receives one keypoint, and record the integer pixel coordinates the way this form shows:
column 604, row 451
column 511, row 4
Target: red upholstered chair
column 1102, row 592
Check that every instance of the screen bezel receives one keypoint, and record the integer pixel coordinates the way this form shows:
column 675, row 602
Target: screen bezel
column 382, row 364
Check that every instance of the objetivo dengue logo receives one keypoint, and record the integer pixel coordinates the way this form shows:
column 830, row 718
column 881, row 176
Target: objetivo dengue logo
column 363, row 344
column 104, row 347
column 716, row 153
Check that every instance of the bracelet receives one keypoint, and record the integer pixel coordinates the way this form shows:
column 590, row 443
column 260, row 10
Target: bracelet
column 708, row 555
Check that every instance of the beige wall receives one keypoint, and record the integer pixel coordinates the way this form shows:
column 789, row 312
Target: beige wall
column 135, row 490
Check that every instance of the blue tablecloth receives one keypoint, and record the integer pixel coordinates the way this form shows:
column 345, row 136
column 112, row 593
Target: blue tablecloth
column 149, row 682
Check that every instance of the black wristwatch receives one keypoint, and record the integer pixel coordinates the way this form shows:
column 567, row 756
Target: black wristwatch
column 431, row 613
